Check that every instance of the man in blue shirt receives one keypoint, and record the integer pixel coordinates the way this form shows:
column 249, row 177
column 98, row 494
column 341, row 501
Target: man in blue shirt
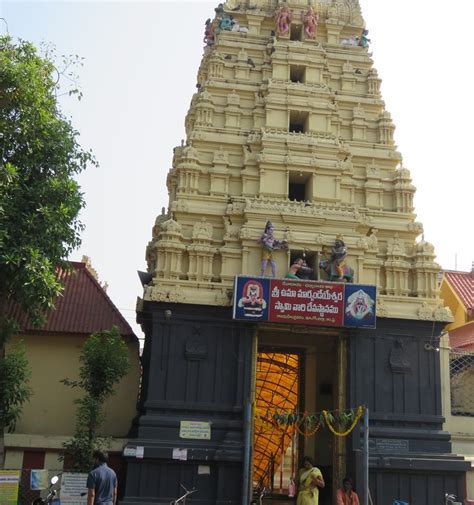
column 101, row 482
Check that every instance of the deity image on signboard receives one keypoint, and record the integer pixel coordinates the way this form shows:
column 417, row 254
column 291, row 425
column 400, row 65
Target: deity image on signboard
column 252, row 300
column 360, row 305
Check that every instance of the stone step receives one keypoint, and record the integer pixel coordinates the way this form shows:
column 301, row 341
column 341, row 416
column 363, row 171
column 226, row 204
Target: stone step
column 278, row 500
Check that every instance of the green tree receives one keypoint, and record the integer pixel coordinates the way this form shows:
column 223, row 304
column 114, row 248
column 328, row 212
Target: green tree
column 14, row 377
column 39, row 198
column 105, row 361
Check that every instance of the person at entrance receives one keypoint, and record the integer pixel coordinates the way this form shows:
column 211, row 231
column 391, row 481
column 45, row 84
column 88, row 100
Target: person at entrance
column 310, row 480
column 345, row 495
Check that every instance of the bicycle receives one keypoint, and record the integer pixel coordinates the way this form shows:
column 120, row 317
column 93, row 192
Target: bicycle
column 182, row 499
column 450, row 499
column 263, row 492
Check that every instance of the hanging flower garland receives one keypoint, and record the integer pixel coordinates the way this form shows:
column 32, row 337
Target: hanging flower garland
column 304, row 424
column 263, row 423
column 307, row 431
column 326, row 414
column 260, row 421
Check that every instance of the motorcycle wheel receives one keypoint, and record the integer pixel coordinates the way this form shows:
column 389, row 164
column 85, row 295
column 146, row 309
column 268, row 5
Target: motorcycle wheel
column 38, row 501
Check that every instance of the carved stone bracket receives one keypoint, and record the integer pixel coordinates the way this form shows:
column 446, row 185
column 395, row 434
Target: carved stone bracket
column 398, row 359
column 195, row 351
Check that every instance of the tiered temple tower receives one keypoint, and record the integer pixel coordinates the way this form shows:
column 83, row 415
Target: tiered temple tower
column 290, row 128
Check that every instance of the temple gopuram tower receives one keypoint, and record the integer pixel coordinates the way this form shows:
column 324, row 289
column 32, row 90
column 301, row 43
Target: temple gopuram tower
column 288, row 125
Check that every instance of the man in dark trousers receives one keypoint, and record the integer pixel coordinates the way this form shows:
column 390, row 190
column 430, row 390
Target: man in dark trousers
column 101, row 482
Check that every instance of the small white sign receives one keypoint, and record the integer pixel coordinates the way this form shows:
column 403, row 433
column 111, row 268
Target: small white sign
column 139, row 452
column 181, row 454
column 130, row 451
column 74, row 488
column 196, row 430
column 204, row 470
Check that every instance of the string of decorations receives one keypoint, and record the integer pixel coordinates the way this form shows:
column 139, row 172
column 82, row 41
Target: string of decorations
column 308, row 424
column 327, row 415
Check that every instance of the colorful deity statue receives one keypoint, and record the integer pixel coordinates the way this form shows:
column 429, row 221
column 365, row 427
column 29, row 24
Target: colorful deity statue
column 299, row 270
column 351, row 41
column 364, row 40
column 270, row 244
column 336, row 267
column 310, row 22
column 283, row 17
column 209, row 34
column 224, row 23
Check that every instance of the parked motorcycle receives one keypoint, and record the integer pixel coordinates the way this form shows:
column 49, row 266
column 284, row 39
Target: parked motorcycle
column 52, row 493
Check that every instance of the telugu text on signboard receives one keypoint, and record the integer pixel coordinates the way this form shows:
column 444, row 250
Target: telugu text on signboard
column 304, row 302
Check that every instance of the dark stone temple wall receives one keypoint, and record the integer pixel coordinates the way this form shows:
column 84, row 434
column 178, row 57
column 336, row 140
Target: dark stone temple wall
column 198, row 366
column 395, row 371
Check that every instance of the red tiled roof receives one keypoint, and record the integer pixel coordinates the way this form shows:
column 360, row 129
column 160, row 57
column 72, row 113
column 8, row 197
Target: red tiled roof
column 463, row 285
column 84, row 307
column 462, row 337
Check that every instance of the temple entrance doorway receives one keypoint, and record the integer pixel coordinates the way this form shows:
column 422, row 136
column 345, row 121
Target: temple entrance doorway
column 277, row 391
column 296, row 373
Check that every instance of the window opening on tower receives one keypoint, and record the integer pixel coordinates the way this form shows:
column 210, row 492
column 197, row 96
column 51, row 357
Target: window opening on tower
column 298, row 122
column 297, row 73
column 299, row 186
column 295, row 32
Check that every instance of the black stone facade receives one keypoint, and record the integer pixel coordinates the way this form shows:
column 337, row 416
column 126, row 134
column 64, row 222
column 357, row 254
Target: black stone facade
column 395, row 370
column 197, row 365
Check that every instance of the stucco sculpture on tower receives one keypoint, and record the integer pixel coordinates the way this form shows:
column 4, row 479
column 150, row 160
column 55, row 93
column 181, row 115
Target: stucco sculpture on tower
column 270, row 244
column 209, row 35
column 299, row 270
column 224, row 22
column 364, row 40
column 310, row 22
column 350, row 41
column 283, row 17
column 335, row 266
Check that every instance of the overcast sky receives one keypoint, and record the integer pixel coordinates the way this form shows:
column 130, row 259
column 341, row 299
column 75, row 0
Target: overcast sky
column 140, row 66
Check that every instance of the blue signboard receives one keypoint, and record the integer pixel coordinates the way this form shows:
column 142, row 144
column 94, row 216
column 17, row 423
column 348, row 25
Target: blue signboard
column 253, row 297
column 359, row 305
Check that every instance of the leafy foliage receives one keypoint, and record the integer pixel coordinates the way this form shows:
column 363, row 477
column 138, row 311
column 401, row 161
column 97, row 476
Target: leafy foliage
column 39, row 198
column 104, row 361
column 14, row 378
column 39, row 201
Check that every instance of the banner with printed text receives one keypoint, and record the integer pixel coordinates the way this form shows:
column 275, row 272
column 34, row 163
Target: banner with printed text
column 292, row 301
column 9, row 484
column 74, row 488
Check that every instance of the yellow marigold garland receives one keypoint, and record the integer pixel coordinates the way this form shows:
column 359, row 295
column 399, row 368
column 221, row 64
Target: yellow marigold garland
column 360, row 411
